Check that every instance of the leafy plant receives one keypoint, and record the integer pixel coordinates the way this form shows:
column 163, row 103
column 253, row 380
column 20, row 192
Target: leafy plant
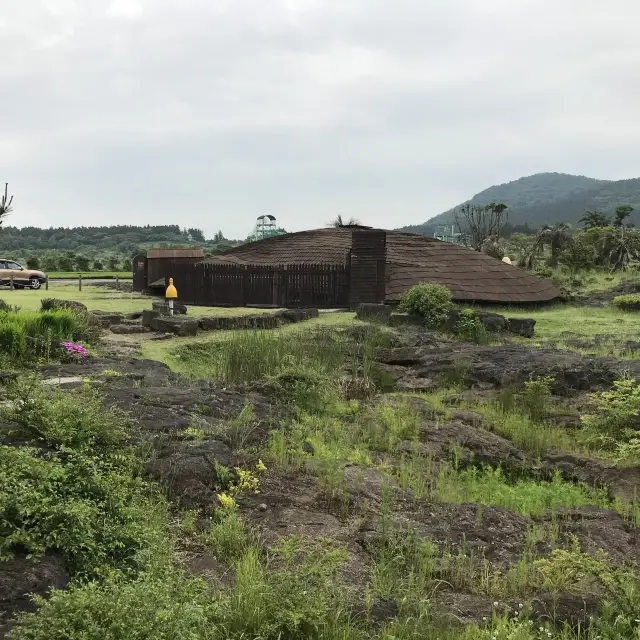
column 166, row 605
column 629, row 302
column 557, row 238
column 615, row 425
column 535, row 397
column 469, row 327
column 432, row 302
column 66, row 421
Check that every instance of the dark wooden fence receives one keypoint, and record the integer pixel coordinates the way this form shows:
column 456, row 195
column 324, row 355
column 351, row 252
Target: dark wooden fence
column 139, row 263
column 285, row 286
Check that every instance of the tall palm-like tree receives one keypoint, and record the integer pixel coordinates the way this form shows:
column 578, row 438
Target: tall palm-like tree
column 5, row 203
column 620, row 247
column 557, row 238
column 341, row 222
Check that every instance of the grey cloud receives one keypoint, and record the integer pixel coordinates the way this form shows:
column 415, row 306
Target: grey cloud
column 211, row 112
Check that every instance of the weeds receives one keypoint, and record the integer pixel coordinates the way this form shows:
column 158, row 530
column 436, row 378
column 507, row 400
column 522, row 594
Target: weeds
column 489, row 486
column 470, row 328
column 614, row 426
column 535, row 397
column 75, row 490
column 458, row 376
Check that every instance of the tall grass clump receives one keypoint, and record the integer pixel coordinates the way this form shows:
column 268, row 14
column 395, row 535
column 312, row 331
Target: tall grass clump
column 28, row 333
column 246, row 357
column 524, row 496
column 255, row 355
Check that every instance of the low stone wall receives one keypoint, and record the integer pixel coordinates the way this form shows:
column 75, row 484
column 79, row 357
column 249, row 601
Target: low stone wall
column 492, row 322
column 190, row 326
column 256, row 321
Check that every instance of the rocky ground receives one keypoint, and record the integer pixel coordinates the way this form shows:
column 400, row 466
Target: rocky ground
column 372, row 501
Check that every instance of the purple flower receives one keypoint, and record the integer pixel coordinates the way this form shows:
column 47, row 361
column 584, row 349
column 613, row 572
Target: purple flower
column 76, row 350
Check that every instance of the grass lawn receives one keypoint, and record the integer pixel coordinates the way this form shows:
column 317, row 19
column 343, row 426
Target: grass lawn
column 101, row 298
column 557, row 322
column 605, row 281
column 92, row 275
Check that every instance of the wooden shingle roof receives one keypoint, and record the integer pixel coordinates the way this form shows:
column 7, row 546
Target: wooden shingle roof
column 319, row 246
column 411, row 259
column 468, row 274
column 188, row 252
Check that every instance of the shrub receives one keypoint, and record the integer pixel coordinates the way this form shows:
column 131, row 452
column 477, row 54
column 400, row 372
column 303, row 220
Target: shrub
column 429, row 301
column 470, row 328
column 545, row 272
column 74, row 490
column 72, row 504
column 49, row 304
column 615, row 425
column 535, row 398
column 163, row 606
column 580, row 255
column 65, row 420
column 295, row 598
column 630, row 302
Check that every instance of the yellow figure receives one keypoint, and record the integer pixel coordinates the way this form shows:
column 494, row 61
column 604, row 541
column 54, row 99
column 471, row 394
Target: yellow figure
column 170, row 295
column 172, row 292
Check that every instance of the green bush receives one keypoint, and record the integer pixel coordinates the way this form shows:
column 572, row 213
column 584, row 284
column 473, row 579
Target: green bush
column 49, row 304
column 295, row 597
column 468, row 327
column 74, row 488
column 630, row 302
column 163, row 606
column 535, row 398
column 66, row 421
column 429, row 301
column 75, row 505
column 614, row 426
column 580, row 255
column 545, row 272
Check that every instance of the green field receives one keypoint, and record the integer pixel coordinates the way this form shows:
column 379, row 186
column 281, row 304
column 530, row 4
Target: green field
column 560, row 322
column 95, row 297
column 92, row 275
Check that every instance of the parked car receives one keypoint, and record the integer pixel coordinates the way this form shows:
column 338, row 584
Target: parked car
column 21, row 277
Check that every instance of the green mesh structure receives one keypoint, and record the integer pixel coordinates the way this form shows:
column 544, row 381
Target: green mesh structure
column 265, row 228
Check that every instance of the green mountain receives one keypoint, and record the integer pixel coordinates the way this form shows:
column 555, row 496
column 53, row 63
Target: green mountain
column 547, row 198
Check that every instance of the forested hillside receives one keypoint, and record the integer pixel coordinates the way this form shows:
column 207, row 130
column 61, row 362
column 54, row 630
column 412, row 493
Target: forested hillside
column 547, row 198
column 98, row 248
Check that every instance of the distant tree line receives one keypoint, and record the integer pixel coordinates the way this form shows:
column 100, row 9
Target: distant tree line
column 121, row 239
column 103, row 248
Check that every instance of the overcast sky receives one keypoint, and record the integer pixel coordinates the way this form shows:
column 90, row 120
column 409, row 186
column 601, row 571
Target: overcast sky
column 208, row 113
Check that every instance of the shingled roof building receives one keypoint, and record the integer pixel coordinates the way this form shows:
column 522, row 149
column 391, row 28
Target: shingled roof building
column 402, row 259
